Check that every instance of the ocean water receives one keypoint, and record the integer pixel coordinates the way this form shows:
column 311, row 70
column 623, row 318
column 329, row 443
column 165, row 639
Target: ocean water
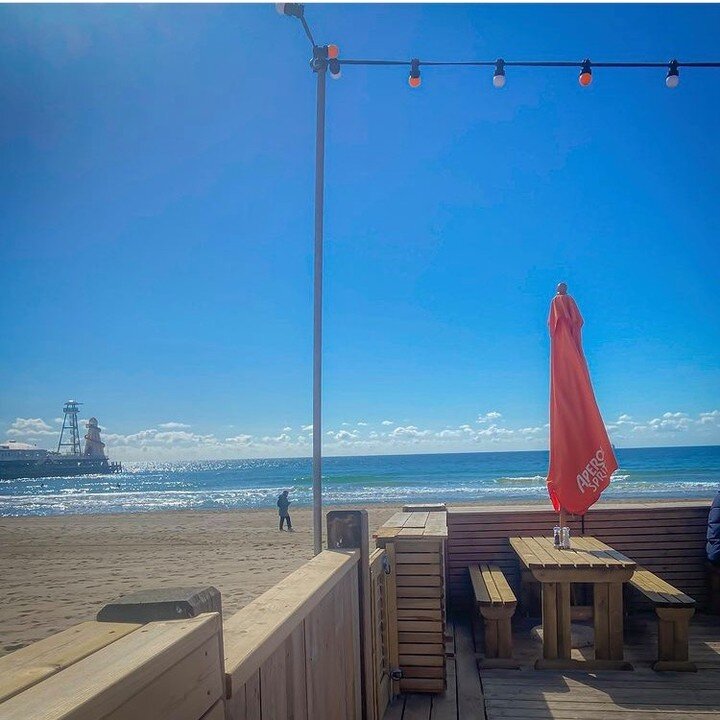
column 645, row 473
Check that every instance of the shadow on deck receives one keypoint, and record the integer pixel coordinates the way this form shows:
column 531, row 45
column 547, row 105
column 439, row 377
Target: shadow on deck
column 528, row 694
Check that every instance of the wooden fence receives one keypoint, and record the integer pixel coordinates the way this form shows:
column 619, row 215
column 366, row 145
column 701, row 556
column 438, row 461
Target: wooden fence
column 666, row 538
column 294, row 652
column 167, row 670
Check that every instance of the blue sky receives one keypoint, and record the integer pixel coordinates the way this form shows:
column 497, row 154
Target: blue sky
column 156, row 224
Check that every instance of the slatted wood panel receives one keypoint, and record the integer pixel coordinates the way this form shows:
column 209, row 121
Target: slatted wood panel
column 294, row 652
column 33, row 664
column 379, row 598
column 666, row 538
column 169, row 670
column 416, row 540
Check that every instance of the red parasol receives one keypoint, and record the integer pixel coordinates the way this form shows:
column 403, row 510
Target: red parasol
column 581, row 456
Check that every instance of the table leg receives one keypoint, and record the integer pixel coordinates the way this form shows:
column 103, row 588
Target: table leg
column 615, row 620
column 549, row 620
column 601, row 620
column 563, row 621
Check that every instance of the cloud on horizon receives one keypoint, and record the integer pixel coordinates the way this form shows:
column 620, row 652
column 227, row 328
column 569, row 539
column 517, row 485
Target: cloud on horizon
column 176, row 441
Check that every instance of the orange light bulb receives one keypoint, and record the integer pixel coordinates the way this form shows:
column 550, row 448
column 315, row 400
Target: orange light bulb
column 585, row 78
column 333, row 52
column 414, row 82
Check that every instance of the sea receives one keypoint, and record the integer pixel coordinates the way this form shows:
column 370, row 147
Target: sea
column 490, row 477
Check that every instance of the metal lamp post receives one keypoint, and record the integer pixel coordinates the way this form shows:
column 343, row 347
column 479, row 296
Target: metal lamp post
column 319, row 65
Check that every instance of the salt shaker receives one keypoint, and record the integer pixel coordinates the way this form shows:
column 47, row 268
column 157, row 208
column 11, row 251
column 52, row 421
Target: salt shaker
column 557, row 536
column 566, row 538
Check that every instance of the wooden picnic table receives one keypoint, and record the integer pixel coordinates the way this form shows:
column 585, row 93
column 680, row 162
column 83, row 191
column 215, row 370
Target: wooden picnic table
column 588, row 561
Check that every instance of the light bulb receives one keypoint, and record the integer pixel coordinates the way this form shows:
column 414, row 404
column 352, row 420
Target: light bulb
column 414, row 77
column 280, row 7
column 333, row 51
column 499, row 75
column 334, row 67
column 585, row 77
column 673, row 75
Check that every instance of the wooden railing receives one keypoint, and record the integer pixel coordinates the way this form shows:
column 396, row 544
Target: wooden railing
column 667, row 538
column 295, row 650
column 167, row 670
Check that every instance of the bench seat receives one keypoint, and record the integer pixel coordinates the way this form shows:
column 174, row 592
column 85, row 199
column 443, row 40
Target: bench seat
column 674, row 610
column 496, row 603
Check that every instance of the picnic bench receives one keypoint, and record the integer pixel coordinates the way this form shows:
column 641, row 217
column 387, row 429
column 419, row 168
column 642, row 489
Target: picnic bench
column 674, row 610
column 496, row 602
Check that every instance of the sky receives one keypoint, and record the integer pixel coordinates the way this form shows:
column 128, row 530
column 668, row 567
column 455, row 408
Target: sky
column 156, row 226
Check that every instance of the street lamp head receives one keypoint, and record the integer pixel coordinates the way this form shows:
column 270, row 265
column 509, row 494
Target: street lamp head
column 292, row 9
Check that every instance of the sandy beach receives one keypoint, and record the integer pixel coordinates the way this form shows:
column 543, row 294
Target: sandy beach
column 58, row 571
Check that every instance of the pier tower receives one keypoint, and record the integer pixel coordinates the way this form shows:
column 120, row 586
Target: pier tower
column 94, row 446
column 70, row 423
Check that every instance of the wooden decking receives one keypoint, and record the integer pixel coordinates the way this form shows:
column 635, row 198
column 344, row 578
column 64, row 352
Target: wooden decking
column 528, row 694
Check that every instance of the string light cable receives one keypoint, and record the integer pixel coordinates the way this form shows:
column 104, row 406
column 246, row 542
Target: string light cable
column 327, row 57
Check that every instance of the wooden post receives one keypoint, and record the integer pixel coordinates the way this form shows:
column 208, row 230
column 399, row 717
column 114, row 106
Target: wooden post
column 349, row 530
column 393, row 650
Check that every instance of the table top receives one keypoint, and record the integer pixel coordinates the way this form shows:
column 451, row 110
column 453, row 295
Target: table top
column 414, row 525
column 586, row 552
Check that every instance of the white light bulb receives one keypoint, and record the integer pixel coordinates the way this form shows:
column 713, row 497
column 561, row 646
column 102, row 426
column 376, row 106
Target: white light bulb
column 335, row 76
column 499, row 81
column 280, row 7
column 672, row 81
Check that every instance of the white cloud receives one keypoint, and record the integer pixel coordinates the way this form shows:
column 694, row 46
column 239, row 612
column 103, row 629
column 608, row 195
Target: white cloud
column 240, row 440
column 30, row 427
column 489, row 417
column 345, row 435
column 409, row 431
column 177, row 441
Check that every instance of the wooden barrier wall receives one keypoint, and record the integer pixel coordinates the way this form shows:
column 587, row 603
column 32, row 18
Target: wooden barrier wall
column 166, row 670
column 294, row 652
column 666, row 538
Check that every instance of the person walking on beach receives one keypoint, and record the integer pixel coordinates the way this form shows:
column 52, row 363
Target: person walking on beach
column 283, row 504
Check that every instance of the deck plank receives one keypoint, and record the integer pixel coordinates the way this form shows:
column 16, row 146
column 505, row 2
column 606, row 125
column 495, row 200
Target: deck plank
column 640, row 695
column 469, row 690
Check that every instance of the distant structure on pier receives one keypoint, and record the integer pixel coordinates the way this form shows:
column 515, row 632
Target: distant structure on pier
column 94, row 447
column 20, row 460
column 70, row 424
